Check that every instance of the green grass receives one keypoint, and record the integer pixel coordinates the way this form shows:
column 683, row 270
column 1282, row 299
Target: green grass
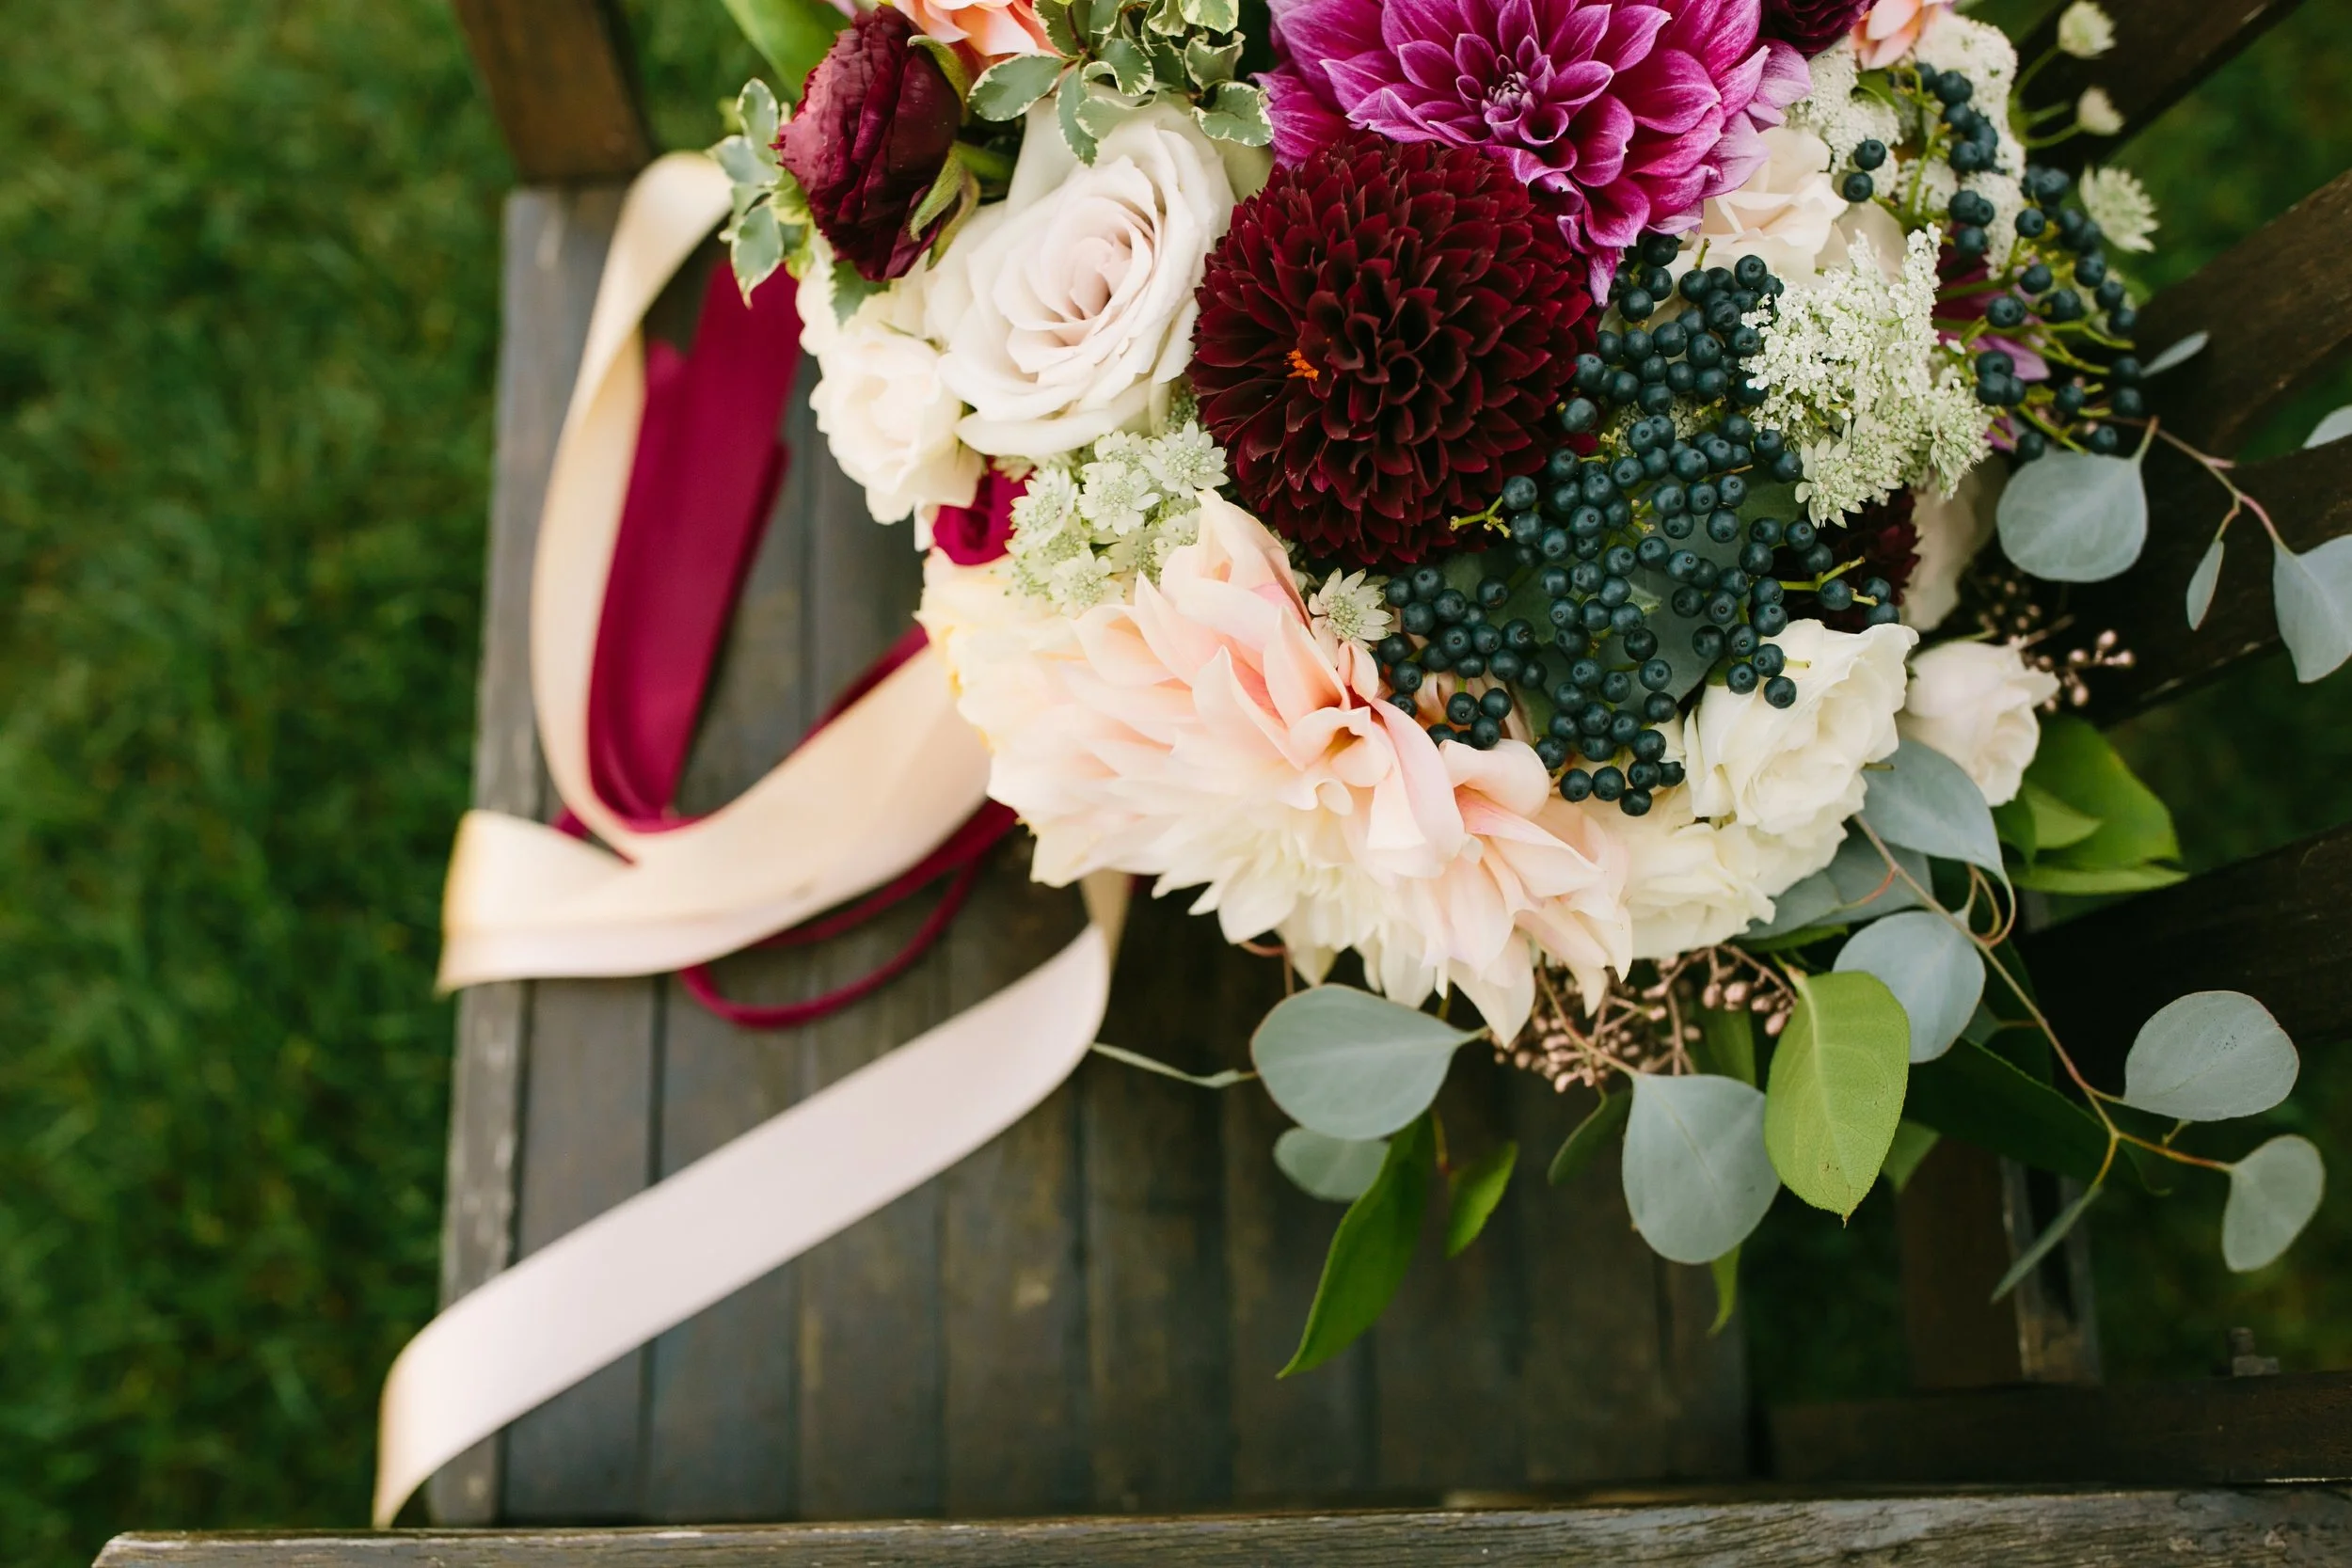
column 247, row 323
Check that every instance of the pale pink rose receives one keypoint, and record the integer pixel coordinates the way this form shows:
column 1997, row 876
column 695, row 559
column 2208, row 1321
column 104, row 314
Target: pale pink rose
column 1892, row 30
column 1203, row 735
column 991, row 30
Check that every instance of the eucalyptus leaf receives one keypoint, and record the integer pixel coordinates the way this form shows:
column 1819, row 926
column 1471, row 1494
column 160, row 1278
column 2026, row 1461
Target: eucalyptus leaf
column 1338, row 1170
column 1067, row 113
column 1472, row 1193
column 2203, row 582
column 1352, row 1065
column 1005, row 90
column 1370, row 1251
column 1805, row 904
column 1224, row 1080
column 2273, row 1193
column 1837, row 1087
column 1726, row 1270
column 2074, row 516
column 2031, row 1257
column 1590, row 1136
column 2334, row 426
column 1923, row 801
column 2208, row 1056
column 2313, row 595
column 1932, row 970
column 1696, row 1176
column 755, row 248
column 1866, row 886
column 2178, row 354
column 792, row 34
column 1911, row 1146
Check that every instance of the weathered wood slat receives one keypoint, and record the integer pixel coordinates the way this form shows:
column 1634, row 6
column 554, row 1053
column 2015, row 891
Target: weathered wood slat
column 2275, row 1528
column 2278, row 316
column 2163, row 49
column 2275, row 927
column 559, row 80
column 2225, row 1430
column 2307, row 493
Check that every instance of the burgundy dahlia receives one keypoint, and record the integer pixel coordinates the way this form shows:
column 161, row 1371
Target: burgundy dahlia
column 869, row 140
column 1385, row 331
column 1809, row 26
column 1627, row 115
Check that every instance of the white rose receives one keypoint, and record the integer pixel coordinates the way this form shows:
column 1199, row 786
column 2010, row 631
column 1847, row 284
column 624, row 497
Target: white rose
column 1693, row 884
column 1787, row 213
column 884, row 404
column 1784, row 771
column 1974, row 702
column 1067, row 308
column 1951, row 529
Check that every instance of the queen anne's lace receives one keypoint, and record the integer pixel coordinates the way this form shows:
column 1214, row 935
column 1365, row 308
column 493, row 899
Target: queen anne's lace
column 1857, row 378
column 1095, row 519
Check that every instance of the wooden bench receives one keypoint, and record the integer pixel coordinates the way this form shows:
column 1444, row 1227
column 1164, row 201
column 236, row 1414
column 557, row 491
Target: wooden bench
column 1084, row 1318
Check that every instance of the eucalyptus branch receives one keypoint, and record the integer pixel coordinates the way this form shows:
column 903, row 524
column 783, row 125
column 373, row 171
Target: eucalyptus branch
column 2219, row 469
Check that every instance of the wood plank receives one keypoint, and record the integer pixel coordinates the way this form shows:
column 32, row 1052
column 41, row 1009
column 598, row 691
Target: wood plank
column 2163, row 49
column 2309, row 494
column 2274, row 927
column 1161, row 1375
column 1954, row 1250
column 2275, row 1528
column 2227, row 1430
column 558, row 79
column 553, row 246
column 2278, row 319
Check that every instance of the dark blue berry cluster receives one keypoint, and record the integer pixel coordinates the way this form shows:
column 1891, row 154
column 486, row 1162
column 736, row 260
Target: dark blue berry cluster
column 1975, row 143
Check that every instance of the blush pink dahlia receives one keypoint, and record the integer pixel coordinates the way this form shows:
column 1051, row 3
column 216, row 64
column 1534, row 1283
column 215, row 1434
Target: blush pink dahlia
column 1625, row 116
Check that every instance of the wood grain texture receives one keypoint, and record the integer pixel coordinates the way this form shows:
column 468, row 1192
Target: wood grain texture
column 2223, row 1431
column 560, row 82
column 2274, row 927
column 1954, row 1250
column 2279, row 1528
column 2278, row 315
column 2163, row 49
column 552, row 255
column 2309, row 494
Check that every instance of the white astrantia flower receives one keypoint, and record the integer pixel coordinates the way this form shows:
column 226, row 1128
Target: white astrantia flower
column 1185, row 460
column 1838, row 114
column 1855, row 373
column 1095, row 519
column 2085, row 31
column 2097, row 112
column 1350, row 609
column 2121, row 206
column 1974, row 702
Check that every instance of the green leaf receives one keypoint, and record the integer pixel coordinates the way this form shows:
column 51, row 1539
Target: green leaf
column 1590, row 1136
column 757, row 113
column 1474, row 1190
column 2179, row 352
column 747, row 165
column 1224, row 1080
column 1217, row 16
column 1972, row 1094
column 1131, row 68
column 1924, row 801
column 1065, row 110
column 953, row 181
column 2074, row 516
column 1836, row 1088
column 1726, row 1043
column 1370, row 1250
column 1209, row 65
column 1350, row 1064
column 2209, row 1056
column 950, row 64
column 1167, row 20
column 1932, row 970
column 1061, row 27
column 756, row 247
column 792, row 34
column 1911, row 1146
column 1726, row 1272
column 2313, row 593
column 1236, row 113
column 1007, row 88
column 2081, row 883
column 2031, row 1257
column 2077, row 767
column 1696, row 1176
column 1101, row 114
column 1338, row 1170
column 849, row 291
column 2203, row 582
column 2038, row 820
column 2273, row 1193
column 1103, row 16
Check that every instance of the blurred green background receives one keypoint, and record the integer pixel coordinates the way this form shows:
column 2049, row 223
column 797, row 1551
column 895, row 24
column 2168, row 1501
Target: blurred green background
column 247, row 330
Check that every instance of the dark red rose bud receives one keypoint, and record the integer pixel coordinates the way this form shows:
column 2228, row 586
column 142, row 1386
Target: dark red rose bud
column 869, row 140
column 977, row 534
column 1810, row 26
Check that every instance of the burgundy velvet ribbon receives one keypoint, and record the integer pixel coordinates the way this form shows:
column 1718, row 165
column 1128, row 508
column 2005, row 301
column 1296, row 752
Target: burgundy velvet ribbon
column 708, row 460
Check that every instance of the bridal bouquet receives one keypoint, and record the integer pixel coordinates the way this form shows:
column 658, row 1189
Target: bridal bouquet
column 1503, row 494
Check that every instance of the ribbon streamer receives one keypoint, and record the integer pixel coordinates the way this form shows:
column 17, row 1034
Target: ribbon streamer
column 869, row 798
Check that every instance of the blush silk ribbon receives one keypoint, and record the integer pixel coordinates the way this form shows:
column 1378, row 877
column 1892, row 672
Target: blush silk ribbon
column 894, row 776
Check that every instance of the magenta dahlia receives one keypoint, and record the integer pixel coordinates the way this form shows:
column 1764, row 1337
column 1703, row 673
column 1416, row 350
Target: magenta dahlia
column 1627, row 114
column 1385, row 332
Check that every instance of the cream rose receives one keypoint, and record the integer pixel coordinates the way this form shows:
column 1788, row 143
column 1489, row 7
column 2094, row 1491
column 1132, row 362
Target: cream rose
column 1067, row 308
column 1787, row 213
column 1787, row 771
column 1974, row 702
column 1951, row 529
column 884, row 406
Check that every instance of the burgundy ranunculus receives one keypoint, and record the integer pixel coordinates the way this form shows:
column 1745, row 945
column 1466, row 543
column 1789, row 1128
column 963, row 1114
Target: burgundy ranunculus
column 869, row 140
column 1883, row 537
column 1385, row 331
column 977, row 534
column 1809, row 26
